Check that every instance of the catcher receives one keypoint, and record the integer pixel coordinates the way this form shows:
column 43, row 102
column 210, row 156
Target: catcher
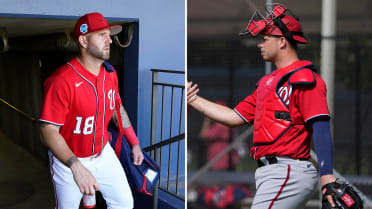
column 287, row 109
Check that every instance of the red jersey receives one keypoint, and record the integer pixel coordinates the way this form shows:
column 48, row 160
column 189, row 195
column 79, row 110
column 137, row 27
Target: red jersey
column 304, row 102
column 82, row 104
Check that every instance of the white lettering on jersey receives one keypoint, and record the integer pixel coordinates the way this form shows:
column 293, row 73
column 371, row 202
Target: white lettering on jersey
column 88, row 125
column 284, row 93
column 78, row 124
column 111, row 96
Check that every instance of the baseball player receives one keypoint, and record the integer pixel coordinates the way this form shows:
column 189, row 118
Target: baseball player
column 79, row 101
column 287, row 109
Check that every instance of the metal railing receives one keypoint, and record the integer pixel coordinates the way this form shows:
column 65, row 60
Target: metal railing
column 168, row 130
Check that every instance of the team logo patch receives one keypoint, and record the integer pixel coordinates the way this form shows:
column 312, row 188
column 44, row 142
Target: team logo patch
column 268, row 82
column 111, row 97
column 84, row 28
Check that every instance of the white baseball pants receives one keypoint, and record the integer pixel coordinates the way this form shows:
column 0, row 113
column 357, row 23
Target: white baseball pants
column 107, row 170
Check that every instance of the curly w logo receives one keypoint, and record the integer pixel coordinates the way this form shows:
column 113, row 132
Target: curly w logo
column 111, row 97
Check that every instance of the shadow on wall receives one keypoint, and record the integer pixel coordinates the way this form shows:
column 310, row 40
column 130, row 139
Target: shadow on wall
column 29, row 61
column 20, row 86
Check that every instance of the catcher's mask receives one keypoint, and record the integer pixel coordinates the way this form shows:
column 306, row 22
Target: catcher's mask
column 275, row 24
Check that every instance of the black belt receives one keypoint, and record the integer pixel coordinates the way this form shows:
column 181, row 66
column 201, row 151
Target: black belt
column 273, row 160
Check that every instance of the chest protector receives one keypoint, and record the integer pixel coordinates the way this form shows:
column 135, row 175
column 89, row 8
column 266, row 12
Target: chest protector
column 273, row 118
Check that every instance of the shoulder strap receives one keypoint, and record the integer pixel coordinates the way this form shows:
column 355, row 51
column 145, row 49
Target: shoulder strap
column 118, row 115
column 119, row 140
column 108, row 66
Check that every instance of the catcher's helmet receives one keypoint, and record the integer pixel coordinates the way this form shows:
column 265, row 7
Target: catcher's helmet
column 275, row 24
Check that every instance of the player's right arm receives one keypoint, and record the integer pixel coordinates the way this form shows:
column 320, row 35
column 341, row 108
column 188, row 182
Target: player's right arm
column 51, row 137
column 56, row 100
column 216, row 112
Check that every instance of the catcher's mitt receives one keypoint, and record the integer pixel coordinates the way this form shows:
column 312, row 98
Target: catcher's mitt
column 343, row 195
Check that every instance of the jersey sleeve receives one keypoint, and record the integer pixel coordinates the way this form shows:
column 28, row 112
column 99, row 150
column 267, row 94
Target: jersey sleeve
column 313, row 101
column 246, row 108
column 56, row 100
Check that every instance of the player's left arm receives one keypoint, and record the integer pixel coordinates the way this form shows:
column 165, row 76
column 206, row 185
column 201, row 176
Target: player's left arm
column 314, row 108
column 129, row 134
column 324, row 150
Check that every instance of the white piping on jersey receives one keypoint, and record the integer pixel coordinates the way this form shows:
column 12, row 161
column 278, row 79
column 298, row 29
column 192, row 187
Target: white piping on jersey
column 46, row 121
column 104, row 109
column 255, row 153
column 95, row 91
column 241, row 116
column 316, row 116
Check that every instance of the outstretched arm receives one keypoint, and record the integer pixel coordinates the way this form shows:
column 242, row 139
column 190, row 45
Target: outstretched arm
column 216, row 112
column 51, row 137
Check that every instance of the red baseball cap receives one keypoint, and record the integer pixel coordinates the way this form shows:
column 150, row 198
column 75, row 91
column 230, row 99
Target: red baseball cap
column 93, row 22
column 293, row 26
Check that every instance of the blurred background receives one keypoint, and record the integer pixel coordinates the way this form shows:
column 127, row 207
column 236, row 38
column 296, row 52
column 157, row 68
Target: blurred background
column 227, row 67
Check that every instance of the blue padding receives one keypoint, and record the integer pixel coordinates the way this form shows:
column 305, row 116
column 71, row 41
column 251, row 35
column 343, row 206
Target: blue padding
column 108, row 66
column 323, row 146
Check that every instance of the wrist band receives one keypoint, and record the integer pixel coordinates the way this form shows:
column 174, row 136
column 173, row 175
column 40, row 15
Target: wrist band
column 130, row 136
column 71, row 161
column 129, row 133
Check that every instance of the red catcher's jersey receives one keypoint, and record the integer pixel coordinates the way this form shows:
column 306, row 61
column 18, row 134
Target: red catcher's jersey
column 304, row 102
column 82, row 104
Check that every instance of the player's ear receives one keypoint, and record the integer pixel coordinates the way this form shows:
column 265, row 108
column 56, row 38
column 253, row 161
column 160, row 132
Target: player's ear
column 83, row 41
column 283, row 42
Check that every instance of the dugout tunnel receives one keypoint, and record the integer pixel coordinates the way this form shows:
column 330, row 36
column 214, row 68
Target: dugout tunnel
column 31, row 48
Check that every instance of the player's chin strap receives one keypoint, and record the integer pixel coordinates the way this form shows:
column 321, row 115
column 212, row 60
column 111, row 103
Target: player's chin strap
column 288, row 34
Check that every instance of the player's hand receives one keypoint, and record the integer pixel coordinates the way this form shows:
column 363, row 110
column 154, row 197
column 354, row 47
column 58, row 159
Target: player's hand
column 86, row 182
column 325, row 180
column 192, row 91
column 137, row 155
